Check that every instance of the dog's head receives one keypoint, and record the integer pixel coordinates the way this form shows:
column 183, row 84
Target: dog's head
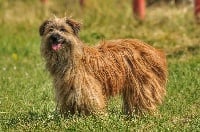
column 58, row 33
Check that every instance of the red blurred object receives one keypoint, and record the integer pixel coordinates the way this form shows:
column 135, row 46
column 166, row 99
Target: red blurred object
column 44, row 1
column 197, row 10
column 82, row 2
column 139, row 7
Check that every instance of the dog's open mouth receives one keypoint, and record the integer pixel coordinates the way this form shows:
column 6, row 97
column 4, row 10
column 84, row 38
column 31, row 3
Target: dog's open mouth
column 56, row 42
column 56, row 46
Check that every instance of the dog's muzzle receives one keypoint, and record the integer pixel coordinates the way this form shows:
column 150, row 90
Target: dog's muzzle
column 56, row 41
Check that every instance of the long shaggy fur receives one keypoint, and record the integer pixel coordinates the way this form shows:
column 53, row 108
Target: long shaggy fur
column 85, row 77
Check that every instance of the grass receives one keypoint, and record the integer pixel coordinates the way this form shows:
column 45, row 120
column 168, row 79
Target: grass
column 27, row 98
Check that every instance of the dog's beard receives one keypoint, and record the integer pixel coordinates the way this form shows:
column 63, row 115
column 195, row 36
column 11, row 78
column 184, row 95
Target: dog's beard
column 56, row 52
column 60, row 55
column 56, row 61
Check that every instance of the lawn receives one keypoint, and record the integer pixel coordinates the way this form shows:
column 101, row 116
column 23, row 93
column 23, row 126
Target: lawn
column 26, row 92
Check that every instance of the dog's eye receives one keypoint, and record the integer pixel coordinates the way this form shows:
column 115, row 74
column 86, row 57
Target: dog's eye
column 50, row 29
column 63, row 30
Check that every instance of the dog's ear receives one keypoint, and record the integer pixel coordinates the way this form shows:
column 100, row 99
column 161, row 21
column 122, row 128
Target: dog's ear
column 42, row 27
column 74, row 24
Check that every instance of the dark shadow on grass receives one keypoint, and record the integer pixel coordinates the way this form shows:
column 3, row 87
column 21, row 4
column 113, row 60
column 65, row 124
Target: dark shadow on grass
column 185, row 50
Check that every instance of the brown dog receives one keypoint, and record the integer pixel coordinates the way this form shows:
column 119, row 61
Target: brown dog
column 85, row 77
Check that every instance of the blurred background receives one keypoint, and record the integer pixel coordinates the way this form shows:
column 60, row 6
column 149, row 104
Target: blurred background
column 164, row 19
column 26, row 93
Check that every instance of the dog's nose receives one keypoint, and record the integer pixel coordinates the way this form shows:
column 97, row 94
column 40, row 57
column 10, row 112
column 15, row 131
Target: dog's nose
column 55, row 38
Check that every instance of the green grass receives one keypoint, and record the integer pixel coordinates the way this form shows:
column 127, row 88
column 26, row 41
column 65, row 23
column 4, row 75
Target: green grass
column 26, row 92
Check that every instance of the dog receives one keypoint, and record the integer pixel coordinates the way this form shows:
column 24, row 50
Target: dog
column 85, row 77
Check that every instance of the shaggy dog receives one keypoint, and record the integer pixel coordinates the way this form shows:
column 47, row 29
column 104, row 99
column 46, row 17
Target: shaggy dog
column 85, row 77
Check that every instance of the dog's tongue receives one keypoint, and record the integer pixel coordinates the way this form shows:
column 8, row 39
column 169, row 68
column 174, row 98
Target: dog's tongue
column 56, row 46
